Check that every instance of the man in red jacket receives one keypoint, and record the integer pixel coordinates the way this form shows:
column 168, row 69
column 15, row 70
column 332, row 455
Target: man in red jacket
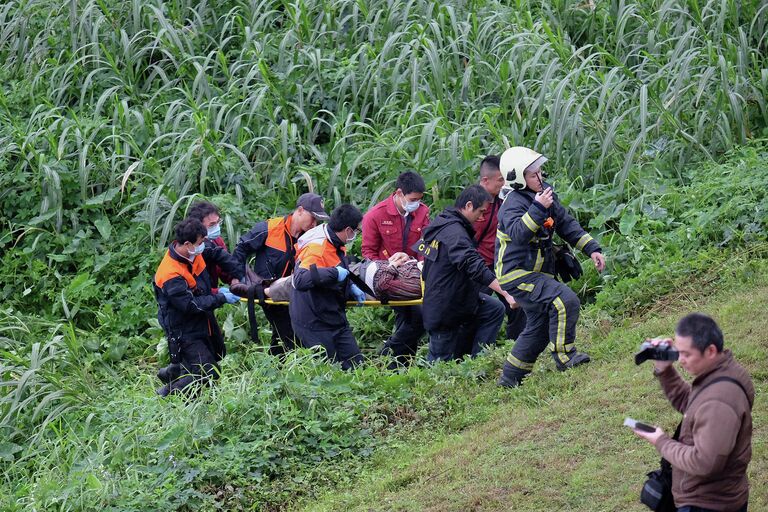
column 394, row 225
column 485, row 235
column 208, row 214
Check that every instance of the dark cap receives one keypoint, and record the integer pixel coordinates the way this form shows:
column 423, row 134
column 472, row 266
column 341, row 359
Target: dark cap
column 313, row 203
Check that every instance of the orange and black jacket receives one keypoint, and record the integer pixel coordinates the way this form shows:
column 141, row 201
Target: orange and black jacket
column 318, row 300
column 183, row 293
column 273, row 248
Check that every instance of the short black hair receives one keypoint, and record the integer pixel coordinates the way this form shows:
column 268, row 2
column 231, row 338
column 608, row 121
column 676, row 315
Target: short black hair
column 189, row 230
column 490, row 166
column 201, row 209
column 702, row 329
column 410, row 182
column 343, row 217
column 475, row 193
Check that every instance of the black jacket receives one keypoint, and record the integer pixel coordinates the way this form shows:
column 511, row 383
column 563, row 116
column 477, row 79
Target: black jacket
column 454, row 272
column 272, row 246
column 524, row 243
column 318, row 300
column 183, row 293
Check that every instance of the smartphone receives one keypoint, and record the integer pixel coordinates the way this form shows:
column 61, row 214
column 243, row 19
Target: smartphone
column 634, row 424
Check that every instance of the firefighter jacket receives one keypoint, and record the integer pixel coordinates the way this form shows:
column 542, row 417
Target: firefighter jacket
column 454, row 272
column 524, row 237
column 273, row 248
column 318, row 300
column 183, row 293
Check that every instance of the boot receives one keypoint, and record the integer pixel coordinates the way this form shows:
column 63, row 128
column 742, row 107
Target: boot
column 511, row 376
column 169, row 373
column 577, row 358
column 164, row 390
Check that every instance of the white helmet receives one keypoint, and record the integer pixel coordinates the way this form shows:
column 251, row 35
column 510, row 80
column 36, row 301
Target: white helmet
column 515, row 161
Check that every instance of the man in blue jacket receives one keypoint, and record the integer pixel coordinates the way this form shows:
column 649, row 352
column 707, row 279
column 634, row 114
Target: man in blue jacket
column 459, row 318
column 525, row 265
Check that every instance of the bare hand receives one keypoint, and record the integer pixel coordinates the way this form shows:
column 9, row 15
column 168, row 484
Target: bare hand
column 651, row 437
column 510, row 300
column 545, row 197
column 661, row 365
column 599, row 260
column 234, row 281
column 398, row 259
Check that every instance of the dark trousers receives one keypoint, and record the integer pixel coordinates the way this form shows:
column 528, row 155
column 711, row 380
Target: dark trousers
column 198, row 364
column 552, row 311
column 690, row 508
column 470, row 336
column 283, row 337
column 515, row 317
column 409, row 328
column 339, row 344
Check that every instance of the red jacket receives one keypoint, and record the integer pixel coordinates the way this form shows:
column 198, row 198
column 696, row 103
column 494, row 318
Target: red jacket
column 215, row 271
column 485, row 232
column 383, row 230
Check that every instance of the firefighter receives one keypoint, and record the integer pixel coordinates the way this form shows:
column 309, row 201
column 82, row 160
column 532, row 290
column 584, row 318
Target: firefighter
column 271, row 243
column 183, row 290
column 525, row 267
column 321, row 287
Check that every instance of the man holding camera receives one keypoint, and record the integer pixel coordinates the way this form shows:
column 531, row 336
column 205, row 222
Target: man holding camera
column 709, row 458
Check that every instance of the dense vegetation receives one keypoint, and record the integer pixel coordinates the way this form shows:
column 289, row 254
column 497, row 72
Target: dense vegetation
column 115, row 115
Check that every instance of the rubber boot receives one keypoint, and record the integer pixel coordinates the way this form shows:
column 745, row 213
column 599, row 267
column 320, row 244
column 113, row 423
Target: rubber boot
column 511, row 376
column 577, row 358
column 169, row 373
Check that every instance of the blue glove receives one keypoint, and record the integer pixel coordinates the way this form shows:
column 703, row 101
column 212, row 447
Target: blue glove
column 358, row 294
column 224, row 289
column 231, row 297
column 343, row 273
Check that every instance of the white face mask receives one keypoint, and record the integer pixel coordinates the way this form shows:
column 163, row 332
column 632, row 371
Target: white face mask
column 214, row 232
column 354, row 236
column 197, row 250
column 411, row 206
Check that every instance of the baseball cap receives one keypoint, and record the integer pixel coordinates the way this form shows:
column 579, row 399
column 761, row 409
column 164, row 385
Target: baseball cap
column 313, row 203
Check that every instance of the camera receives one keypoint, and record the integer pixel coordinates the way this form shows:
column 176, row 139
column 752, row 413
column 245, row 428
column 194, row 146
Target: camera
column 661, row 352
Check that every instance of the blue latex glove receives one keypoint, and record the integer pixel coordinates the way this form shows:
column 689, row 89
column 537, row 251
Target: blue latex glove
column 343, row 273
column 231, row 297
column 358, row 294
column 224, row 289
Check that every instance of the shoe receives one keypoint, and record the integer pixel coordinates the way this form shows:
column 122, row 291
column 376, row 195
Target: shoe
column 511, row 377
column 578, row 358
column 163, row 391
column 169, row 373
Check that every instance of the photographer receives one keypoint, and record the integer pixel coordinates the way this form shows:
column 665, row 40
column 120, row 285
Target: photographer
column 709, row 458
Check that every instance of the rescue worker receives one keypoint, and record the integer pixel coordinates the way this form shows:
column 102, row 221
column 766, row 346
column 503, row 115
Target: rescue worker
column 185, row 307
column 459, row 318
column 525, row 265
column 271, row 243
column 208, row 214
column 485, row 235
column 395, row 225
column 321, row 287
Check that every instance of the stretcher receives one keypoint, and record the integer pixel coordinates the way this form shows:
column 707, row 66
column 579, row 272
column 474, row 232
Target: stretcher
column 352, row 303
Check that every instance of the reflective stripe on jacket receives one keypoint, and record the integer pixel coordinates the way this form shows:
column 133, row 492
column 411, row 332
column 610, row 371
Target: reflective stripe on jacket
column 524, row 244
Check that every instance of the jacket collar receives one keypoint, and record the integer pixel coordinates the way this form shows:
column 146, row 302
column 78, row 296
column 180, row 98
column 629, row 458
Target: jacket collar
column 178, row 257
column 452, row 211
column 392, row 208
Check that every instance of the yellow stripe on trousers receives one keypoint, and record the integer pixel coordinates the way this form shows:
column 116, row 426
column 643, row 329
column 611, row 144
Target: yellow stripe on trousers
column 560, row 337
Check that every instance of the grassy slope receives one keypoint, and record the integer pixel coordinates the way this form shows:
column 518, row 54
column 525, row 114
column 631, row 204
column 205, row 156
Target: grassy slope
column 557, row 443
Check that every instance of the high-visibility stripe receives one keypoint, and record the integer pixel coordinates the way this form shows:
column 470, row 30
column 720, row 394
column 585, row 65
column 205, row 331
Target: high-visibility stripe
column 503, row 239
column 583, row 241
column 511, row 276
column 526, row 287
column 568, row 347
column 529, row 222
column 520, row 364
column 539, row 261
column 560, row 336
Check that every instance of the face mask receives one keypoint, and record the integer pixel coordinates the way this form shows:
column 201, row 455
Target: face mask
column 350, row 240
column 197, row 250
column 214, row 232
column 411, row 206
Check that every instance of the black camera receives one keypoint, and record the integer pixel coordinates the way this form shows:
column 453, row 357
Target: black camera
column 661, row 352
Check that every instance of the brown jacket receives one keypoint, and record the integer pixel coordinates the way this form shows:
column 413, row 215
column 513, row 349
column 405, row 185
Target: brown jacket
column 709, row 462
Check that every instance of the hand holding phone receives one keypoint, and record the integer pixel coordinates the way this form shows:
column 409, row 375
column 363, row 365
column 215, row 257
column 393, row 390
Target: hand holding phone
column 636, row 425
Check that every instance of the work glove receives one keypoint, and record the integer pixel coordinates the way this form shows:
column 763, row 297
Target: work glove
column 231, row 297
column 358, row 294
column 343, row 273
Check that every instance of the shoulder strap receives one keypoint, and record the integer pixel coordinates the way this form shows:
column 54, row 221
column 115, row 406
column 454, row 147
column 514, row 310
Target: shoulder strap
column 720, row 379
